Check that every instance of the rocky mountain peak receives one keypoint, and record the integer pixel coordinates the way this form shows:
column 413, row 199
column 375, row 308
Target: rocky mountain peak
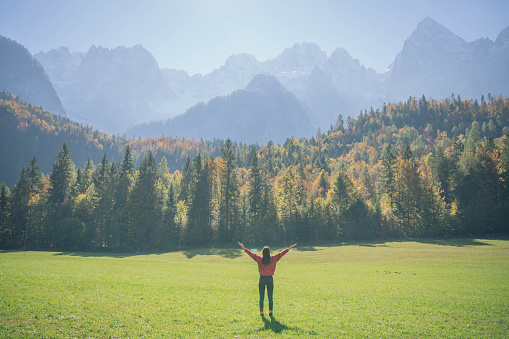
column 502, row 40
column 265, row 84
column 240, row 59
column 301, row 58
column 429, row 34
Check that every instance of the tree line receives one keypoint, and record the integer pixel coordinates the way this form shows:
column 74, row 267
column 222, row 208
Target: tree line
column 421, row 168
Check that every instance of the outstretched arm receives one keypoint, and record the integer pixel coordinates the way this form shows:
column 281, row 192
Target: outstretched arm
column 251, row 254
column 283, row 252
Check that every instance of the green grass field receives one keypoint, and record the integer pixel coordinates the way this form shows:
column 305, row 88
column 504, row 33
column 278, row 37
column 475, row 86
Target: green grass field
column 445, row 289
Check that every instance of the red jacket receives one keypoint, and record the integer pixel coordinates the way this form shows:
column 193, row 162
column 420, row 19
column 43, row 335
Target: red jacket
column 271, row 268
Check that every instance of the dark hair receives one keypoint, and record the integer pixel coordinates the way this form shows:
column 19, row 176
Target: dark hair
column 266, row 256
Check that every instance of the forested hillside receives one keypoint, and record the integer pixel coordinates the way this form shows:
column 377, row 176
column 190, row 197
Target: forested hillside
column 27, row 131
column 420, row 168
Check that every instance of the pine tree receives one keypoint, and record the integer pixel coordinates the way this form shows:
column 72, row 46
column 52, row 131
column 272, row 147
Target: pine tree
column 442, row 171
column 482, row 216
column 169, row 218
column 388, row 175
column 409, row 190
column 61, row 178
column 5, row 227
column 127, row 162
column 229, row 206
column 26, row 206
column 255, row 196
column 104, row 186
column 124, row 183
column 21, row 197
column 504, row 164
column 61, row 233
column 288, row 200
column 269, row 225
column 341, row 197
column 199, row 230
column 142, row 207
column 323, row 185
column 187, row 181
column 255, row 187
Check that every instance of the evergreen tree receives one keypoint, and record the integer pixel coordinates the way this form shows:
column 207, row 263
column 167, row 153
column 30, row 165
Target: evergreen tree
column 435, row 221
column 199, row 219
column 229, row 207
column 170, row 224
column 187, row 180
column 269, row 225
column 5, row 227
column 323, row 185
column 125, row 182
column 288, row 201
column 409, row 190
column 127, row 162
column 442, row 171
column 21, row 197
column 504, row 164
column 61, row 178
column 26, row 210
column 388, row 175
column 87, row 176
column 61, row 232
column 142, row 207
column 341, row 197
column 481, row 216
column 255, row 188
column 255, row 197
column 104, row 182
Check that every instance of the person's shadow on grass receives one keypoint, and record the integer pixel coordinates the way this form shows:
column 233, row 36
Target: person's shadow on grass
column 272, row 324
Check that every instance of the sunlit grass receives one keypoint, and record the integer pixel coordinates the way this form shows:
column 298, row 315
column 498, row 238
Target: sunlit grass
column 457, row 288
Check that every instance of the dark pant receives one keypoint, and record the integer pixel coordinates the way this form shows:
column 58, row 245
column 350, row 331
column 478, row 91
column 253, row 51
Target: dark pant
column 266, row 280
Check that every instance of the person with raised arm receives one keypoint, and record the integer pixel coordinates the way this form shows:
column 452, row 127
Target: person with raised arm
column 266, row 268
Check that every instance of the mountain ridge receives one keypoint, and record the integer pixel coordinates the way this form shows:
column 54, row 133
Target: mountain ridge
column 264, row 110
column 21, row 74
column 433, row 62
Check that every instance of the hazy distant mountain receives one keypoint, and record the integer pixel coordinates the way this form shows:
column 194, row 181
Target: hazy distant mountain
column 21, row 74
column 113, row 89
column 109, row 88
column 116, row 88
column 301, row 58
column 436, row 62
column 263, row 111
column 325, row 102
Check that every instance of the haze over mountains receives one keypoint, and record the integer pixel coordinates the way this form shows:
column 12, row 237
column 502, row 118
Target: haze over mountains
column 22, row 75
column 114, row 89
column 263, row 111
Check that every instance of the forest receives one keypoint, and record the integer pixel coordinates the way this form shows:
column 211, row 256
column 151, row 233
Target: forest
column 423, row 168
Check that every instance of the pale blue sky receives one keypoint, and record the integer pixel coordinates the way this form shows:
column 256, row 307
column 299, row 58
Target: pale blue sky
column 199, row 35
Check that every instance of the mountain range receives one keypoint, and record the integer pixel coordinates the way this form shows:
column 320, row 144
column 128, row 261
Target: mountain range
column 115, row 89
column 263, row 111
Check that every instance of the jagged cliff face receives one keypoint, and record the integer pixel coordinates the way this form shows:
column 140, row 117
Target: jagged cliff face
column 21, row 74
column 110, row 89
column 117, row 88
column 491, row 65
column 436, row 62
column 114, row 89
column 433, row 60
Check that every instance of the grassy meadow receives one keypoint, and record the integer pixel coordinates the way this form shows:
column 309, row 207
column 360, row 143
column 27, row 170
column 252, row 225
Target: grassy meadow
column 446, row 289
